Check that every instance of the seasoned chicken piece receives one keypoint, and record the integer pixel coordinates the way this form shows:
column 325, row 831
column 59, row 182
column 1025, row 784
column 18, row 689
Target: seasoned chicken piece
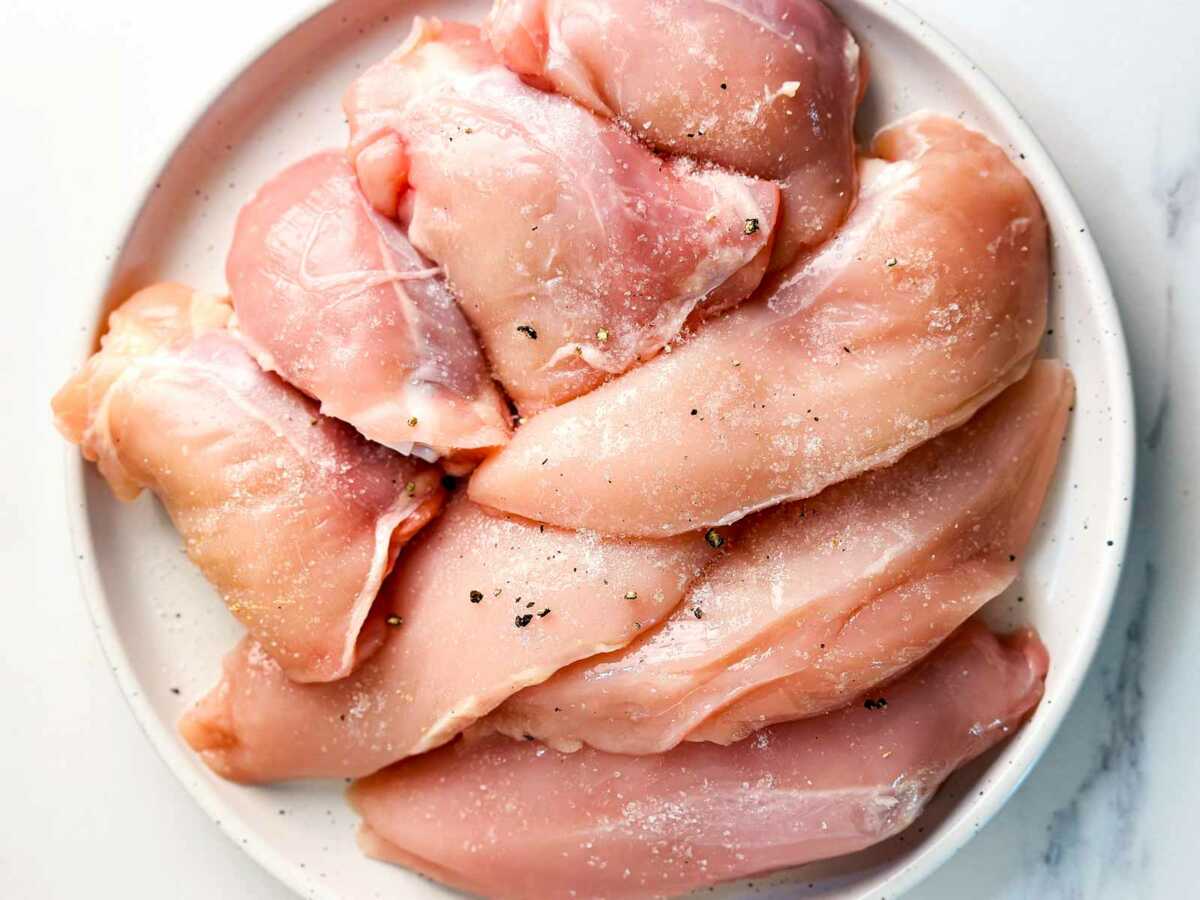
column 574, row 251
column 333, row 297
column 929, row 302
column 821, row 600
column 482, row 607
column 765, row 87
column 294, row 517
column 513, row 819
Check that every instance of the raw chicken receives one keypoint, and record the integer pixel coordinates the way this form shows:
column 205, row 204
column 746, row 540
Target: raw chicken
column 766, row 87
column 333, row 297
column 821, row 600
column 929, row 302
column 513, row 819
column 293, row 517
column 574, row 251
column 483, row 606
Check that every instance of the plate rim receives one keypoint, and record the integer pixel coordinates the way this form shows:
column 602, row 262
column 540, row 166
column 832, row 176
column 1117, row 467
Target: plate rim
column 1114, row 352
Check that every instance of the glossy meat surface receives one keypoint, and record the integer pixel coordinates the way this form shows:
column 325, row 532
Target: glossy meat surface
column 333, row 297
column 927, row 304
column 574, row 251
column 765, row 87
column 472, row 597
column 514, row 819
column 293, row 517
column 822, row 600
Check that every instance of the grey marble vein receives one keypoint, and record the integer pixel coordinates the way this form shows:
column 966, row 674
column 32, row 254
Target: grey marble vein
column 1162, row 406
column 1115, row 775
column 1181, row 201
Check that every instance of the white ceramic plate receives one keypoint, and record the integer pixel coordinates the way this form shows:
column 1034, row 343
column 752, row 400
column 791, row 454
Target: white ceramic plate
column 164, row 630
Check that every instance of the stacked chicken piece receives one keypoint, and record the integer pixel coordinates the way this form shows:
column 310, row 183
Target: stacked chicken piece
column 751, row 427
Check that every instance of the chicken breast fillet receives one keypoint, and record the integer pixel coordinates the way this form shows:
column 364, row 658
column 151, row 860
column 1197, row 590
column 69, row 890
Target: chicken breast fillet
column 293, row 517
column 574, row 251
column 482, row 607
column 822, row 600
column 765, row 87
column 927, row 304
column 515, row 819
column 333, row 297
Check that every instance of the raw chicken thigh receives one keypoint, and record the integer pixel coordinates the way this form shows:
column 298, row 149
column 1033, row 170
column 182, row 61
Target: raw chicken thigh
column 574, row 251
column 821, row 600
column 293, row 517
column 333, row 297
column 482, row 607
column 513, row 819
column 929, row 302
column 766, row 87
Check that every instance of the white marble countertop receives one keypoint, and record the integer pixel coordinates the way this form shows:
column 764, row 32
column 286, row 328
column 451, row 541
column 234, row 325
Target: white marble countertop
column 93, row 93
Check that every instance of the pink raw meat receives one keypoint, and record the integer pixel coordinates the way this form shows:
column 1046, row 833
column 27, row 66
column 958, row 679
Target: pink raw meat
column 927, row 304
column 514, row 819
column 821, row 600
column 765, row 87
column 293, row 517
column 574, row 251
column 333, row 297
column 483, row 607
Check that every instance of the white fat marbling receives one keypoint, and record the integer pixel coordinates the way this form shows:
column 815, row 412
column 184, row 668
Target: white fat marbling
column 94, row 92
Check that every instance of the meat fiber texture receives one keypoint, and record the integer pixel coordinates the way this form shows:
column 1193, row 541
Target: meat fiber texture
column 515, row 819
column 332, row 296
column 819, row 601
column 482, row 607
column 765, row 87
column 574, row 251
column 293, row 517
column 929, row 302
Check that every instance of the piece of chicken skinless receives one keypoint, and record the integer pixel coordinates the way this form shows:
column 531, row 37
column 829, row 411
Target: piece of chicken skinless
column 819, row 601
column 482, row 607
column 292, row 516
column 765, row 87
column 332, row 296
column 574, row 251
column 929, row 302
column 515, row 819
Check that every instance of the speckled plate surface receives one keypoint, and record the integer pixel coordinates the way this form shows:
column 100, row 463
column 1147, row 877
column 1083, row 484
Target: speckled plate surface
column 164, row 631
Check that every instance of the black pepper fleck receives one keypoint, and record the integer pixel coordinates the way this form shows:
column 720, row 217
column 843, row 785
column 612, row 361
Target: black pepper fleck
column 529, row 331
column 522, row 621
